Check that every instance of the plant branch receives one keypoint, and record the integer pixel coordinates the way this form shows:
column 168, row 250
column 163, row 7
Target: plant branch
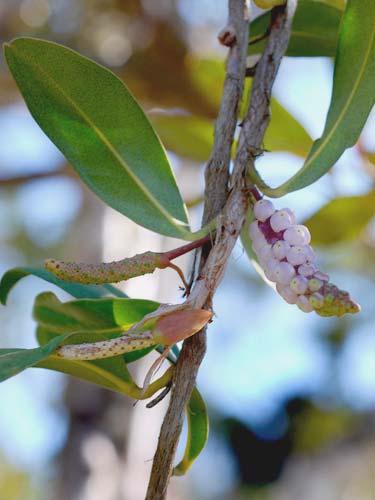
column 233, row 215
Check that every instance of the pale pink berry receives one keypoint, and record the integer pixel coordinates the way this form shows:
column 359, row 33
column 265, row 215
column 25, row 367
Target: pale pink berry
column 297, row 235
column 286, row 293
column 316, row 300
column 280, row 220
column 298, row 285
column 269, row 268
column 280, row 249
column 263, row 209
column 283, row 273
column 292, row 215
column 254, row 230
column 297, row 255
column 310, row 255
column 259, row 242
column 304, row 304
column 321, row 276
column 315, row 284
column 307, row 270
column 265, row 254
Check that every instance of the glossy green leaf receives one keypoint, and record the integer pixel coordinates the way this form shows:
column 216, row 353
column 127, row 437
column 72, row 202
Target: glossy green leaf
column 15, row 362
column 352, row 97
column 84, row 320
column 342, row 219
column 111, row 373
column 191, row 137
column 11, row 278
column 94, row 120
column 285, row 133
column 108, row 316
column 315, row 30
column 186, row 135
column 198, row 426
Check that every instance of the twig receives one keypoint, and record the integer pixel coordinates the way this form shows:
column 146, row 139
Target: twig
column 234, row 211
column 217, row 174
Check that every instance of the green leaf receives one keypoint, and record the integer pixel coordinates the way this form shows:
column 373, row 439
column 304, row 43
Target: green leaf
column 94, row 120
column 11, row 278
column 352, row 96
column 342, row 219
column 314, row 31
column 12, row 363
column 186, row 135
column 106, row 316
column 285, row 133
column 78, row 321
column 198, row 425
column 111, row 373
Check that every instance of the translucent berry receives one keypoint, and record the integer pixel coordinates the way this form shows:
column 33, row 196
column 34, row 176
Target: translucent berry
column 310, row 255
column 297, row 255
column 304, row 304
column 316, row 300
column 286, row 293
column 280, row 249
column 254, row 230
column 307, row 270
column 292, row 215
column 280, row 220
column 259, row 242
column 315, row 284
column 269, row 268
column 297, row 235
column 263, row 209
column 321, row 276
column 265, row 254
column 298, row 285
column 283, row 273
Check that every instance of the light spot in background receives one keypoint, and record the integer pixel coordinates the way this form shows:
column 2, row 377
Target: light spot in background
column 357, row 369
column 66, row 16
column 115, row 49
column 35, row 13
column 24, row 148
column 32, row 430
column 47, row 207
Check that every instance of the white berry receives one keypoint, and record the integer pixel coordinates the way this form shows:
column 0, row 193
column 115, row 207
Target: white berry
column 298, row 285
column 280, row 220
column 304, row 304
column 287, row 294
column 263, row 209
column 280, row 249
column 297, row 255
column 283, row 273
column 306, row 270
column 297, row 235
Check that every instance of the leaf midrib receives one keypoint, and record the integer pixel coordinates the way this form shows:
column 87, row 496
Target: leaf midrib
column 172, row 220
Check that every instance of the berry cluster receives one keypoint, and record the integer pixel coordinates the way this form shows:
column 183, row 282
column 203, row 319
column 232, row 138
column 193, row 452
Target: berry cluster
column 284, row 252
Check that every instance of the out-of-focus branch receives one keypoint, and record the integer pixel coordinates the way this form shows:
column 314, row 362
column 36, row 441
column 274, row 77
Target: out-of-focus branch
column 13, row 181
column 233, row 214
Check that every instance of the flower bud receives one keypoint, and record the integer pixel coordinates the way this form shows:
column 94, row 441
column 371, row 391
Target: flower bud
column 297, row 255
column 298, row 285
column 176, row 326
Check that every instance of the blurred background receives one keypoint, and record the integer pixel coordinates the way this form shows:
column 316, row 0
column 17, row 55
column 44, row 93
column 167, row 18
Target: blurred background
column 291, row 396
